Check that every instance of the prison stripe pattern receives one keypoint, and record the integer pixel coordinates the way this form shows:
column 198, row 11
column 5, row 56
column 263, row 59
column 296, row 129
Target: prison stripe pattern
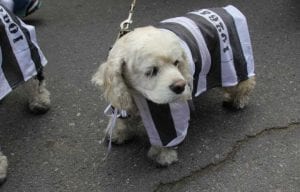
column 218, row 41
column 20, row 55
column 161, row 121
column 218, row 48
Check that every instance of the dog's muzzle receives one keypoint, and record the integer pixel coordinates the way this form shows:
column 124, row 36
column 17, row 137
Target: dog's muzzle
column 178, row 86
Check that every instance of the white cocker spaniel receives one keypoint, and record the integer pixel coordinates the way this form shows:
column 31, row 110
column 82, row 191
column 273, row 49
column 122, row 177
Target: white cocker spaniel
column 154, row 71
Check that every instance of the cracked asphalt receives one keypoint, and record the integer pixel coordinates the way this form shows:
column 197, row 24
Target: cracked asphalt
column 256, row 149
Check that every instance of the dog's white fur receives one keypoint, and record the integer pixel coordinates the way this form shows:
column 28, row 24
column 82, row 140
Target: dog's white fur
column 39, row 97
column 38, row 103
column 3, row 167
column 148, row 61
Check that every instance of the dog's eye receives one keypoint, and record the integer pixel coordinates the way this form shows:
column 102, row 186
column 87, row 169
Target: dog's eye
column 152, row 72
column 176, row 63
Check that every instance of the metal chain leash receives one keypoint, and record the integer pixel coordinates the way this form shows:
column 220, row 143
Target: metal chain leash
column 125, row 25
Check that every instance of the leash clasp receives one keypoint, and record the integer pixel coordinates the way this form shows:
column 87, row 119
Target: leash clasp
column 124, row 25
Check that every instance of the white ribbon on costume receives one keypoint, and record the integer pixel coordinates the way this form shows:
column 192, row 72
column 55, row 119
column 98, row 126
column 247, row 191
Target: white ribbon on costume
column 114, row 113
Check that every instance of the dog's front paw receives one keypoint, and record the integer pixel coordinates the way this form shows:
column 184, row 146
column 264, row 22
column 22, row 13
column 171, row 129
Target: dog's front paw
column 120, row 133
column 38, row 107
column 118, row 137
column 162, row 155
column 3, row 168
column 40, row 103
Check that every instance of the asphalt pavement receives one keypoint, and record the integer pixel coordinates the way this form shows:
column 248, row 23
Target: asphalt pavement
column 256, row 149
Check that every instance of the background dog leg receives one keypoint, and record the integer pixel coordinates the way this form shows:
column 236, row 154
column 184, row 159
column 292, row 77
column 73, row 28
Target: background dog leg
column 39, row 99
column 164, row 156
column 237, row 97
column 3, row 167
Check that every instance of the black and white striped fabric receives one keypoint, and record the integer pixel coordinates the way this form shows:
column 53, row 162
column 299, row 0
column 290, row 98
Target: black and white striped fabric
column 166, row 124
column 219, row 51
column 20, row 55
column 218, row 45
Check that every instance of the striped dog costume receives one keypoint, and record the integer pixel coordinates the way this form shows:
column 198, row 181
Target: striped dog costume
column 217, row 44
column 20, row 55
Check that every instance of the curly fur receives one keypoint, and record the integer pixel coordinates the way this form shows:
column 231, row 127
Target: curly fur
column 148, row 61
column 39, row 99
column 109, row 78
column 3, row 168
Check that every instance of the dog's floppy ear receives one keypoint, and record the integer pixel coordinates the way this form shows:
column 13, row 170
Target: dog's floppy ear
column 110, row 79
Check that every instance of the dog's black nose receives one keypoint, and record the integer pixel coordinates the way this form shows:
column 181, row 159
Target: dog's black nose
column 178, row 86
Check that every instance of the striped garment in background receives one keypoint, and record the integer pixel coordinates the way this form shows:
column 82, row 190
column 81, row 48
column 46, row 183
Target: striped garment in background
column 219, row 51
column 20, row 55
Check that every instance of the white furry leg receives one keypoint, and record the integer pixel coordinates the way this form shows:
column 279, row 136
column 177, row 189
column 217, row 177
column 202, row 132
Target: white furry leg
column 162, row 155
column 39, row 101
column 121, row 132
column 237, row 97
column 3, row 167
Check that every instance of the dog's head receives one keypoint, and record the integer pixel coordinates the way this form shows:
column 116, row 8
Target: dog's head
column 147, row 60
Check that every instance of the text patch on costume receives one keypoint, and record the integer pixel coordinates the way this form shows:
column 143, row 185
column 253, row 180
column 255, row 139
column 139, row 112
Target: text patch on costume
column 21, row 57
